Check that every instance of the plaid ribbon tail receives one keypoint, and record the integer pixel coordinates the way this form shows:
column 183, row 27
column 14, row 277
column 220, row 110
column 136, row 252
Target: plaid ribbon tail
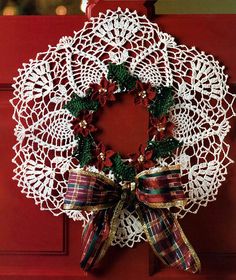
column 167, row 239
column 94, row 238
column 98, row 235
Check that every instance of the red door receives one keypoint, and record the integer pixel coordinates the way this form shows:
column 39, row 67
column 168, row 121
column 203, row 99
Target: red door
column 37, row 245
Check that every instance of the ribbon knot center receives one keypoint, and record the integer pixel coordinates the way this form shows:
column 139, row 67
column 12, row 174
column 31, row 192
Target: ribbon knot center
column 128, row 192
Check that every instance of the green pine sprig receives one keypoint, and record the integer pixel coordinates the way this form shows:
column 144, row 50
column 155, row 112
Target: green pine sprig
column 78, row 104
column 120, row 74
column 162, row 103
column 163, row 148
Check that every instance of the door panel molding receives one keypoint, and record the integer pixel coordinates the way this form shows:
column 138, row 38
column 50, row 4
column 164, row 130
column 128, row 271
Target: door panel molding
column 63, row 252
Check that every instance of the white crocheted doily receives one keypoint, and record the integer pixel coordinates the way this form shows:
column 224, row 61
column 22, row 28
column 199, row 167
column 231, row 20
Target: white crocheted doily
column 45, row 140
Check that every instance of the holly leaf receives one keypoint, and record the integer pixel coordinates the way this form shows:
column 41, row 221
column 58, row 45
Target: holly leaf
column 78, row 104
column 162, row 103
column 164, row 148
column 121, row 170
column 119, row 73
column 83, row 151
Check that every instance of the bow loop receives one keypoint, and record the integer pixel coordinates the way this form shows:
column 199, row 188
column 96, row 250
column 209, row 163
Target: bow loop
column 90, row 191
column 161, row 187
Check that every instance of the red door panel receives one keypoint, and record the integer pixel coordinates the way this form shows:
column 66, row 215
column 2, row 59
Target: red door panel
column 37, row 245
column 23, row 37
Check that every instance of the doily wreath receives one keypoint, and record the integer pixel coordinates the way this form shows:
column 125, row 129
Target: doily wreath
column 46, row 142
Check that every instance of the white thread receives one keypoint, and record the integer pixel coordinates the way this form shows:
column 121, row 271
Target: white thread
column 45, row 140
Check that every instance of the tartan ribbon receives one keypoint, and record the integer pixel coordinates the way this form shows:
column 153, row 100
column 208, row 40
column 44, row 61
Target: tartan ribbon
column 152, row 194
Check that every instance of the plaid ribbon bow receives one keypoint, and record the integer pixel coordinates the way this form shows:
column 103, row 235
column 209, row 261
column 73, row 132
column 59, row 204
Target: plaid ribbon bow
column 152, row 195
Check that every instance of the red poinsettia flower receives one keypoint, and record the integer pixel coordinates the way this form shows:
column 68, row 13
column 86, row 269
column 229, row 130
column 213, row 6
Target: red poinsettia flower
column 103, row 157
column 83, row 124
column 161, row 128
column 144, row 93
column 104, row 91
column 143, row 159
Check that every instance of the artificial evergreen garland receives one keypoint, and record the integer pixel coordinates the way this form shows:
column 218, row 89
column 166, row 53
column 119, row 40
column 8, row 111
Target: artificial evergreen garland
column 158, row 102
column 120, row 75
column 163, row 148
column 83, row 152
column 78, row 104
column 121, row 170
column 161, row 105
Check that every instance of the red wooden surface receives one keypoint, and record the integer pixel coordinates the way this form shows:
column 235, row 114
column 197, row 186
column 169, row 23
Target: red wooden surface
column 129, row 126
column 141, row 6
column 36, row 245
